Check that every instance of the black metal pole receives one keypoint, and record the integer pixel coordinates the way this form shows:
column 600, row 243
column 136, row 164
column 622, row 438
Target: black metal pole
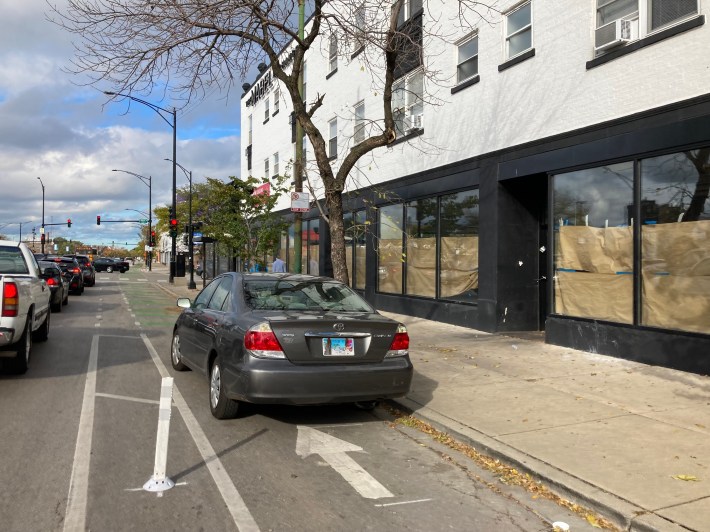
column 42, row 237
column 191, row 284
column 150, row 223
column 173, row 250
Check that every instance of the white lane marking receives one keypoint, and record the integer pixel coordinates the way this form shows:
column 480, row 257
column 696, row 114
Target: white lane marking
column 403, row 502
column 126, row 398
column 237, row 508
column 75, row 518
column 332, row 450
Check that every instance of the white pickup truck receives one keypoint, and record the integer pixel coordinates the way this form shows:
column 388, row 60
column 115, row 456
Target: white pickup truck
column 24, row 308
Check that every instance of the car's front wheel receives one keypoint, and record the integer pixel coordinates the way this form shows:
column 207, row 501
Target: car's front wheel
column 221, row 406
column 176, row 355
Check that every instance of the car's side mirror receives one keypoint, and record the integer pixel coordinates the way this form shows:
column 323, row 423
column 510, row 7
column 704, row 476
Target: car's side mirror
column 184, row 302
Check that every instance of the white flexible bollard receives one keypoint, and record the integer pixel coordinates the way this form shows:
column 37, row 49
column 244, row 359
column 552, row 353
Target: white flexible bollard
column 159, row 481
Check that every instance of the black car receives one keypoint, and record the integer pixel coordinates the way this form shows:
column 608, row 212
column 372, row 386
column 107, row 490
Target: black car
column 87, row 269
column 109, row 264
column 58, row 285
column 290, row 339
column 71, row 270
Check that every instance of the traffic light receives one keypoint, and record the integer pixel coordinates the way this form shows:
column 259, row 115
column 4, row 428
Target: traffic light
column 41, row 237
column 152, row 239
column 173, row 227
column 68, row 222
column 98, row 220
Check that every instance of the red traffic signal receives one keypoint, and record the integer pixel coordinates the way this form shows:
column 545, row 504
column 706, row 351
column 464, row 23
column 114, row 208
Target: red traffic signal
column 98, row 220
column 68, row 222
column 173, row 223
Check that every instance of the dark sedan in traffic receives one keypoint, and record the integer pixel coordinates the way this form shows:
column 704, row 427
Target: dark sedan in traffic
column 58, row 285
column 289, row 339
column 110, row 264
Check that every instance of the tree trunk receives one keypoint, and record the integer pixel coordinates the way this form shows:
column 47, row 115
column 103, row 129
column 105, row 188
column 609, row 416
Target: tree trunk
column 334, row 203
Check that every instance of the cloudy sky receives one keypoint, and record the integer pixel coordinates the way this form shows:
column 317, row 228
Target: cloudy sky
column 54, row 127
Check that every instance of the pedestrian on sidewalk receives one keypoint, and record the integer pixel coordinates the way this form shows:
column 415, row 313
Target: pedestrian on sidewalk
column 279, row 265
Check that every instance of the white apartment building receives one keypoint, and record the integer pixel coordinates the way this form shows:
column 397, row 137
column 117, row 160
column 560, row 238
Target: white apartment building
column 551, row 172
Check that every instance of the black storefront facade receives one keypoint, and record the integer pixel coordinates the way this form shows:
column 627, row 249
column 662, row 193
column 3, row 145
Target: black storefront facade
column 530, row 201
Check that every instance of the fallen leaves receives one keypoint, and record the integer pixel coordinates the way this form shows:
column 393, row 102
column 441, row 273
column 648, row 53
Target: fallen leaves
column 686, row 478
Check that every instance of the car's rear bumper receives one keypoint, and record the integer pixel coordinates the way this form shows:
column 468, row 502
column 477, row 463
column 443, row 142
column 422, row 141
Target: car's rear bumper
column 280, row 381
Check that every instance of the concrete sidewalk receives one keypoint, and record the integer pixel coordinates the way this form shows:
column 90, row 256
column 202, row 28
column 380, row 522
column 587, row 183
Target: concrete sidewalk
column 628, row 440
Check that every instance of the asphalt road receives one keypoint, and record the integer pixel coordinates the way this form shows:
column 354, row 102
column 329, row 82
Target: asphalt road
column 79, row 435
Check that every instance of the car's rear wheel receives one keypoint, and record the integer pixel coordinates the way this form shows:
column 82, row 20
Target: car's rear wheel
column 18, row 364
column 176, row 355
column 66, row 299
column 221, row 406
column 57, row 307
column 42, row 334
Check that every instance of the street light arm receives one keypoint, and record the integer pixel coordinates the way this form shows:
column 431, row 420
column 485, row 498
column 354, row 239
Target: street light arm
column 144, row 179
column 156, row 108
column 186, row 172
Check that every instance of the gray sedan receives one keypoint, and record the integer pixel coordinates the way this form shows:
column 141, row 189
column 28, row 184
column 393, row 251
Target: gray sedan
column 289, row 339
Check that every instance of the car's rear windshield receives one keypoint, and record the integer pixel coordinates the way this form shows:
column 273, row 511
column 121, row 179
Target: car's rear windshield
column 318, row 295
column 11, row 261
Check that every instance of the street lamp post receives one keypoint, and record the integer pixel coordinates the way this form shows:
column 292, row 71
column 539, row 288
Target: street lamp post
column 42, row 237
column 159, row 110
column 191, row 284
column 147, row 181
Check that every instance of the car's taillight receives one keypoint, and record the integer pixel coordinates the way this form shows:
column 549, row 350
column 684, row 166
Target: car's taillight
column 77, row 270
column 52, row 281
column 400, row 343
column 261, row 342
column 10, row 299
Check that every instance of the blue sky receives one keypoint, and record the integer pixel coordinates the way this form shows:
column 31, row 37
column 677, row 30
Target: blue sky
column 54, row 127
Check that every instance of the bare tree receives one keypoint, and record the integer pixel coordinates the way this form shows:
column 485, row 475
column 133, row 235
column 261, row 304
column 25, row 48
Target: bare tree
column 189, row 46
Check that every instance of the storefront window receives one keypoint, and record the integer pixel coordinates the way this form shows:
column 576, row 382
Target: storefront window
column 593, row 243
column 355, row 248
column 421, row 247
column 291, row 253
column 313, row 247
column 675, row 241
column 458, row 278
column 390, row 252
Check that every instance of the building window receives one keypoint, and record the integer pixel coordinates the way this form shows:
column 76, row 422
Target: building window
column 277, row 98
column 518, row 36
column 458, row 221
column 360, row 28
column 390, row 252
column 355, row 250
column 266, row 168
column 467, row 60
column 267, row 112
column 333, row 53
column 250, row 129
column 594, row 243
column 421, row 219
column 409, row 8
column 408, row 103
column 622, row 21
column 333, row 138
column 359, row 128
column 248, row 154
column 276, row 164
column 313, row 246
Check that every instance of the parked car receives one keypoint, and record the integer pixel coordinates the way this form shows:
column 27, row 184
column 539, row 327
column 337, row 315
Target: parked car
column 87, row 269
column 58, row 285
column 71, row 270
column 110, row 264
column 289, row 339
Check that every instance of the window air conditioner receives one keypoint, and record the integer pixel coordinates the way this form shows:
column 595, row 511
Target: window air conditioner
column 615, row 34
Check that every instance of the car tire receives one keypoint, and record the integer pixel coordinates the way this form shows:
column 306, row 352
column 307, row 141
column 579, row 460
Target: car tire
column 18, row 364
column 42, row 334
column 57, row 307
column 66, row 299
column 175, row 355
column 366, row 405
column 109, row 269
column 221, row 406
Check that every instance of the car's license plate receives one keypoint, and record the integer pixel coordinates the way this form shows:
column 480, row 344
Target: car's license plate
column 338, row 347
